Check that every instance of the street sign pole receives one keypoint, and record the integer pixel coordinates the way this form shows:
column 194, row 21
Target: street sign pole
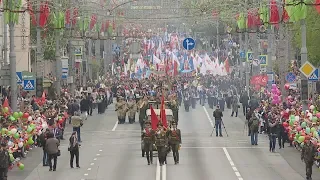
column 12, row 57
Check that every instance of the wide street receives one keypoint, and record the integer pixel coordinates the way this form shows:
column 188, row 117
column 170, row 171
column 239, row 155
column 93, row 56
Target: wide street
column 112, row 151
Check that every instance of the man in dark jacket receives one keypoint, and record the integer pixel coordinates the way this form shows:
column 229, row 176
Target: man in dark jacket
column 43, row 138
column 4, row 161
column 244, row 100
column 217, row 114
column 307, row 155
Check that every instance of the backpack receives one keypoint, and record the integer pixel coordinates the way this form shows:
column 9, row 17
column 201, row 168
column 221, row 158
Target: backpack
column 255, row 125
column 4, row 159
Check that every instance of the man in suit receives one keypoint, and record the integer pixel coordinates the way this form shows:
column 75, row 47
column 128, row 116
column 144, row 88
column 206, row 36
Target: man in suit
column 56, row 132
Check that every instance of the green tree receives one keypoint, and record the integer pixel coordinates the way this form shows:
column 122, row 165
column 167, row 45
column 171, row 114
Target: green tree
column 313, row 38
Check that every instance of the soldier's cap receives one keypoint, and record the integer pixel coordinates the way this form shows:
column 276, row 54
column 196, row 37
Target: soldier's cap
column 173, row 123
column 160, row 124
column 147, row 122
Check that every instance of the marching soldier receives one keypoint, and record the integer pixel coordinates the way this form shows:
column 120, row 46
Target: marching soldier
column 132, row 110
column 307, row 155
column 148, row 137
column 175, row 140
column 210, row 98
column 143, row 106
column 161, row 143
column 121, row 108
column 175, row 109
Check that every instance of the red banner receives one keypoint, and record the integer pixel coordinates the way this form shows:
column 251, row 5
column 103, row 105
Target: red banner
column 260, row 80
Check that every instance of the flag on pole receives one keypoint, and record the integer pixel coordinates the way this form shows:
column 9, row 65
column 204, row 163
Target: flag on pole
column 154, row 118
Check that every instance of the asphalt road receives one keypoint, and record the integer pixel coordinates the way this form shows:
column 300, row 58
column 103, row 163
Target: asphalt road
column 111, row 151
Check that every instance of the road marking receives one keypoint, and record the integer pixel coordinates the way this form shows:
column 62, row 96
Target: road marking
column 100, row 150
column 98, row 154
column 95, row 159
column 209, row 118
column 216, row 147
column 158, row 173
column 232, row 163
column 86, row 174
column 115, row 126
column 89, row 169
column 164, row 172
column 91, row 164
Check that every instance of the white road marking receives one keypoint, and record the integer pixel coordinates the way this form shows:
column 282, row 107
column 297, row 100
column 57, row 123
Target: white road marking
column 98, row 154
column 86, row 174
column 164, row 172
column 232, row 163
column 89, row 169
column 91, row 164
column 216, row 147
column 100, row 150
column 158, row 173
column 115, row 126
column 209, row 117
column 95, row 159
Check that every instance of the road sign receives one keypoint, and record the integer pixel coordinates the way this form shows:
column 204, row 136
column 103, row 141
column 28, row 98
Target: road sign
column 64, row 73
column 263, row 60
column 19, row 77
column 250, row 56
column 291, row 77
column 242, row 54
column 188, row 44
column 29, row 85
column 314, row 76
column 307, row 69
column 271, row 77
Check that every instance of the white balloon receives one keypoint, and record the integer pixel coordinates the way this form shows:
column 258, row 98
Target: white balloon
column 44, row 126
column 29, row 118
column 20, row 144
column 310, row 116
column 14, row 130
column 10, row 143
column 312, row 107
column 38, row 119
column 287, row 110
column 39, row 132
column 297, row 118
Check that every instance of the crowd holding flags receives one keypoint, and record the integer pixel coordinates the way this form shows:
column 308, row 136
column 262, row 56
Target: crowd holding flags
column 164, row 55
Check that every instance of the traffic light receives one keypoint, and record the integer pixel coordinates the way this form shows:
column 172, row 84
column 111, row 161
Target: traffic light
column 39, row 86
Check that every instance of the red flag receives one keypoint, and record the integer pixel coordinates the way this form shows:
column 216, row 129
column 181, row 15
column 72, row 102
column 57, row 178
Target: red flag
column 6, row 103
column 43, row 97
column 163, row 115
column 274, row 13
column 93, row 21
column 317, row 6
column 33, row 16
column 75, row 16
column 227, row 66
column 67, row 17
column 154, row 118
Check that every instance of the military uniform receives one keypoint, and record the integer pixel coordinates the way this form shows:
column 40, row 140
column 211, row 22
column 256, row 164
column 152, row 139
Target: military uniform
column 161, row 143
column 174, row 135
column 175, row 109
column 143, row 106
column 121, row 108
column 132, row 110
column 148, row 138
column 307, row 155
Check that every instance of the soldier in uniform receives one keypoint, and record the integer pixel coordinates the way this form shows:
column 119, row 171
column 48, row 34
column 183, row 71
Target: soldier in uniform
column 175, row 109
column 210, row 98
column 121, row 108
column 148, row 137
column 174, row 141
column 143, row 106
column 307, row 155
column 161, row 143
column 132, row 110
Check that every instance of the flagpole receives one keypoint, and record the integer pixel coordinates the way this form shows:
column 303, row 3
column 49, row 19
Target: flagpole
column 12, row 58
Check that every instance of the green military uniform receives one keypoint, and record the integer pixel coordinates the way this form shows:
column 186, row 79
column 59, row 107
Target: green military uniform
column 161, row 143
column 132, row 110
column 148, row 138
column 143, row 106
column 175, row 109
column 121, row 108
column 174, row 135
column 307, row 155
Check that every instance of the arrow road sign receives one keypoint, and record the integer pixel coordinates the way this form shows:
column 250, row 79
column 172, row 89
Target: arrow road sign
column 290, row 77
column 263, row 60
column 242, row 54
column 29, row 85
column 19, row 77
column 250, row 56
column 188, row 44
column 314, row 76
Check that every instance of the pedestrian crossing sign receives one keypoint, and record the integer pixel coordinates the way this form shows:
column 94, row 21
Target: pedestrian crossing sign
column 249, row 56
column 29, row 85
column 314, row 76
column 19, row 77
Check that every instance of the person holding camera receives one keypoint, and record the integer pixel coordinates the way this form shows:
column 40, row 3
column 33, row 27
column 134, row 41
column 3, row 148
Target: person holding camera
column 74, row 149
column 77, row 122
column 217, row 114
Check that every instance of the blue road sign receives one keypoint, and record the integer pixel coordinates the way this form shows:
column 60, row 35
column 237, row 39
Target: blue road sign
column 271, row 77
column 263, row 60
column 188, row 44
column 64, row 73
column 242, row 54
column 314, row 76
column 249, row 56
column 19, row 77
column 29, row 85
column 291, row 77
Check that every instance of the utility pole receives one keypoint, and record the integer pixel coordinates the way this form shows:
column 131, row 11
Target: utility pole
column 39, row 72
column 5, row 40
column 58, row 63
column 71, row 55
column 106, row 55
column 218, row 38
column 90, row 58
column 12, row 57
column 246, row 44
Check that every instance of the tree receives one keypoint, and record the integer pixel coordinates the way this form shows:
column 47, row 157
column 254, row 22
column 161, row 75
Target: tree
column 313, row 31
